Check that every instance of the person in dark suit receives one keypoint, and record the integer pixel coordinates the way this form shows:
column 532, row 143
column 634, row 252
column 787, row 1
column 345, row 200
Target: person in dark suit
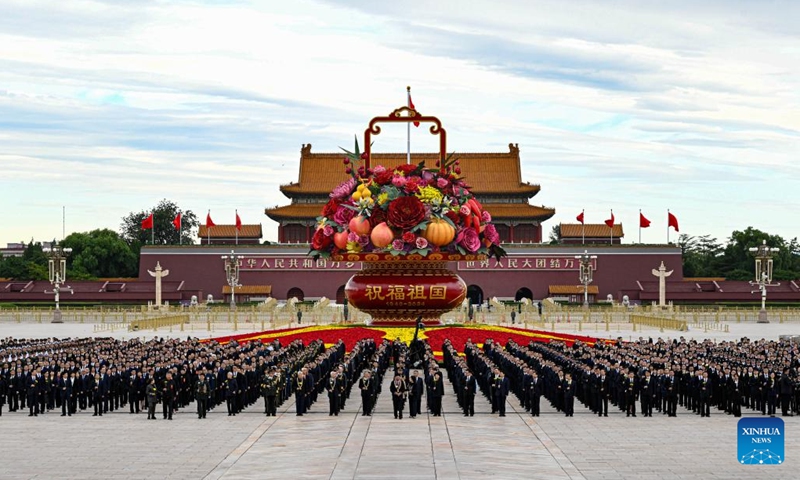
column 437, row 392
column 704, row 387
column 98, row 392
column 415, row 388
column 646, row 389
column 231, row 391
column 735, row 390
column 334, row 389
column 537, row 388
column 399, row 391
column 501, row 388
column 367, row 387
column 168, row 391
column 32, row 392
column 65, row 394
column 302, row 387
column 569, row 395
column 601, row 388
column 470, row 389
column 201, row 393
column 671, row 391
column 772, row 389
column 630, row 389
column 135, row 391
column 786, row 391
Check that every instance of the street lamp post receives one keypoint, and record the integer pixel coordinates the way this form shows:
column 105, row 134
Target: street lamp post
column 763, row 271
column 232, row 275
column 57, row 266
column 585, row 275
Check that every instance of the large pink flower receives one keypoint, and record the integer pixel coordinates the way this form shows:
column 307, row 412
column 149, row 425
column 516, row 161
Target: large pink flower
column 490, row 233
column 343, row 215
column 470, row 240
column 344, row 189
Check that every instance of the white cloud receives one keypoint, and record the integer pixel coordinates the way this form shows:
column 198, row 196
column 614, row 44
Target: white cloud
column 106, row 107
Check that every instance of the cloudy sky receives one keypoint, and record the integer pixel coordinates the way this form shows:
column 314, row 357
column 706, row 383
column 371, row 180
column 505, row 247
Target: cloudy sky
column 108, row 106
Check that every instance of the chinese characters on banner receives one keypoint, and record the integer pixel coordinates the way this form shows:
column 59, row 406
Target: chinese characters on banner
column 553, row 263
column 406, row 295
column 525, row 263
column 294, row 263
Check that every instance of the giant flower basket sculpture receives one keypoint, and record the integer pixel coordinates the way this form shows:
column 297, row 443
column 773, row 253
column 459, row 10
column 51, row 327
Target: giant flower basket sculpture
column 405, row 223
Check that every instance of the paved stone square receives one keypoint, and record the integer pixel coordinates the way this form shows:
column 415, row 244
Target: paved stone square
column 124, row 446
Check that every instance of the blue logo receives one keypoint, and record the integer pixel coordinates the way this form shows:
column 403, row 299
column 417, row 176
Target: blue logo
column 761, row 441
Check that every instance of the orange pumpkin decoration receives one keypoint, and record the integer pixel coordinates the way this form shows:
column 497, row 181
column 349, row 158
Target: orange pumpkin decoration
column 439, row 232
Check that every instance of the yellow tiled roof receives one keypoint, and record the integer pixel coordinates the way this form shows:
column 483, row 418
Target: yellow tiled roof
column 229, row 231
column 486, row 173
column 592, row 230
column 571, row 289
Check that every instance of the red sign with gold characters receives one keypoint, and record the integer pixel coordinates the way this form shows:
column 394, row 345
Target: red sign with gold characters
column 399, row 296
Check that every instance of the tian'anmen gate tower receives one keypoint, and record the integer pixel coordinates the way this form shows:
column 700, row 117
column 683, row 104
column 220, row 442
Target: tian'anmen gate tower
column 495, row 178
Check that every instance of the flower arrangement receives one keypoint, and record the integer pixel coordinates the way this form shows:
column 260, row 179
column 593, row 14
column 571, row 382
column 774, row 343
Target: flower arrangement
column 403, row 210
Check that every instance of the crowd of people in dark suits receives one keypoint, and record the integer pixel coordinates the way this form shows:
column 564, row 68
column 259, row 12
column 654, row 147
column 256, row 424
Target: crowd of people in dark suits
column 102, row 375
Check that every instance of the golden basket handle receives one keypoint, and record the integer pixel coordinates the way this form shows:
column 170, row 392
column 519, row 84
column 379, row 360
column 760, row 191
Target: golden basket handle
column 397, row 117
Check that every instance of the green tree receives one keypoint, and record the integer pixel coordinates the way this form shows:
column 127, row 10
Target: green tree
column 32, row 265
column 99, row 254
column 164, row 231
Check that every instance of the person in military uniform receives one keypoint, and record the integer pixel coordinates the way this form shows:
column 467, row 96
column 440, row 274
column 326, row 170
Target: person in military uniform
column 168, row 391
column 334, row 389
column 151, row 393
column 201, row 392
column 399, row 391
column 269, row 388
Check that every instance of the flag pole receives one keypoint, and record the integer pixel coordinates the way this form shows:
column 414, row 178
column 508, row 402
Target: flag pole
column 668, row 226
column 208, row 228
column 612, row 227
column 180, row 228
column 408, row 128
column 640, row 226
column 153, row 231
column 583, row 227
column 236, row 227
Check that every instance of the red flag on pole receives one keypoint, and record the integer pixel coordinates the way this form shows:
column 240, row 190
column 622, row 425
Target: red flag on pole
column 412, row 107
column 147, row 223
column 672, row 221
column 177, row 221
column 610, row 221
column 643, row 222
column 209, row 223
column 238, row 222
column 580, row 217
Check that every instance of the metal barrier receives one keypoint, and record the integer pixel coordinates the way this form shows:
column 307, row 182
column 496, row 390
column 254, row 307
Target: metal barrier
column 659, row 322
column 158, row 322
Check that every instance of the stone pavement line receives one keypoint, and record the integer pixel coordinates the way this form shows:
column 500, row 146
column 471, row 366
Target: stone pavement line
column 564, row 462
column 450, row 442
column 344, row 444
column 222, row 468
